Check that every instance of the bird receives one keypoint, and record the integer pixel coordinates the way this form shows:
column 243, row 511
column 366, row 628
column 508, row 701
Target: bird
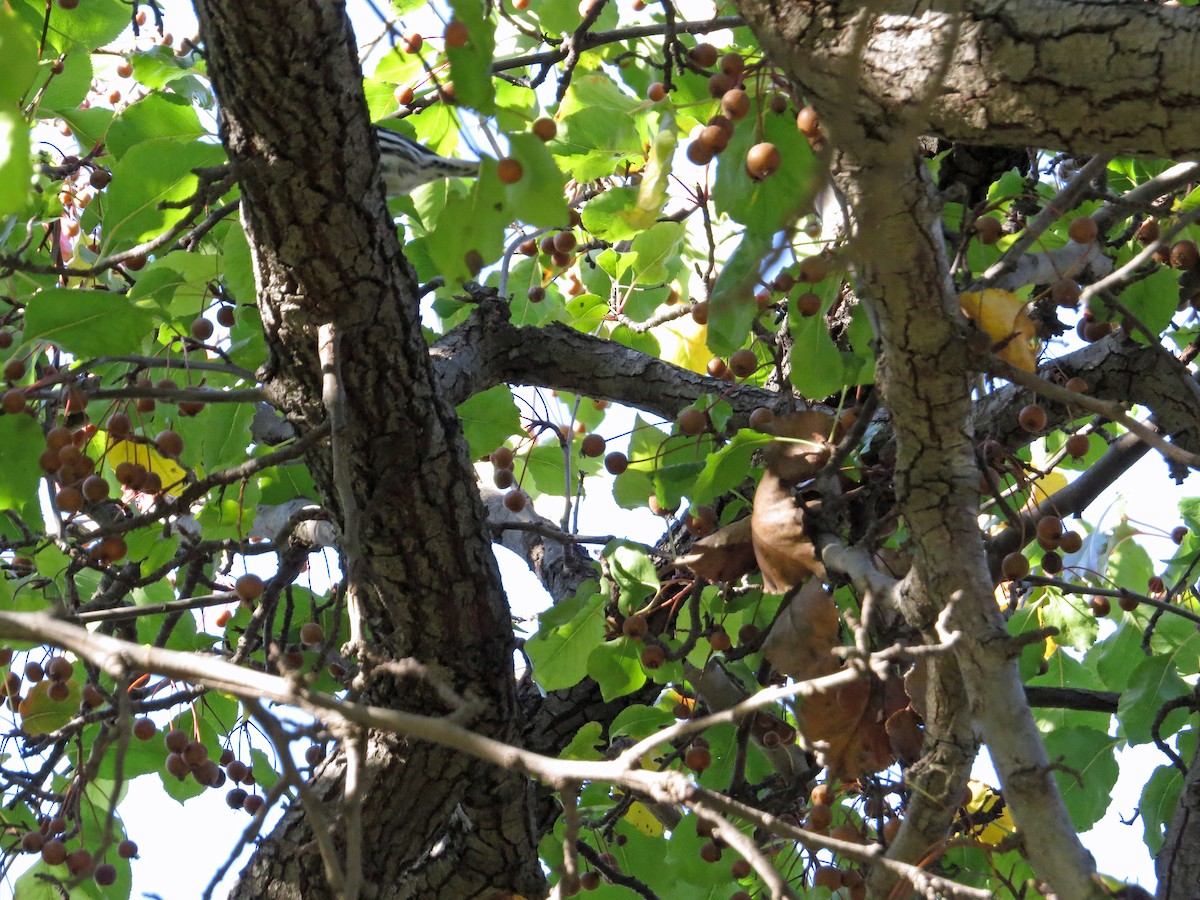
column 407, row 164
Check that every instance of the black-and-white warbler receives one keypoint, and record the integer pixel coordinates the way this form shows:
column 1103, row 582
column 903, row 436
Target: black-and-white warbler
column 406, row 164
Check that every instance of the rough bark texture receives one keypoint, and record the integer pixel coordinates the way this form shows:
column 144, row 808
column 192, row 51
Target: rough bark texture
column 294, row 122
column 1178, row 863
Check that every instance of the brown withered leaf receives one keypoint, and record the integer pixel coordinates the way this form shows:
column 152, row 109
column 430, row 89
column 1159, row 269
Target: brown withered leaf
column 725, row 555
column 785, row 554
column 847, row 723
column 905, row 735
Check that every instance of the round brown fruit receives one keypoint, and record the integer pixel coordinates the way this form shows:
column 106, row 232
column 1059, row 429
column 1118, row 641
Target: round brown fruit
column 502, row 458
column 95, row 488
column 820, row 816
column 656, row 93
column 169, row 443
column 808, row 123
column 743, row 363
column 762, row 418
column 653, row 656
column 699, row 153
column 248, row 588
column 1083, row 230
column 592, row 446
column 69, row 499
column 1129, row 602
column 733, row 65
column 719, row 640
column 814, row 269
column 144, row 729
column 987, row 229
column 1100, row 606
column 1032, row 418
column 503, row 478
column 1147, row 232
column 1077, row 445
column 716, row 367
column 514, row 501
column 1049, row 528
column 1052, row 563
column 691, row 422
column 1185, row 255
column 312, row 634
column 703, row 55
column 14, row 369
column 616, row 463
column 808, row 304
column 1178, row 533
column 546, row 129
column 697, row 758
column 456, row 34
column 1076, row 384
column 13, row 401
column 1065, row 293
column 253, row 804
column 735, row 104
column 763, row 161
column 226, row 316
column 827, row 877
column 105, row 874
column 201, row 328
column 700, row 312
column 1070, row 542
column 1014, row 566
column 127, row 849
column 509, row 170
column 701, row 521
column 54, row 852
column 634, row 627
column 565, row 241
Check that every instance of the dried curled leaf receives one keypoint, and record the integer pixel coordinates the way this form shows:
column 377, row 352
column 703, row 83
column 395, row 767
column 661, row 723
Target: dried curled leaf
column 847, row 724
column 1002, row 316
column 786, row 554
column 725, row 555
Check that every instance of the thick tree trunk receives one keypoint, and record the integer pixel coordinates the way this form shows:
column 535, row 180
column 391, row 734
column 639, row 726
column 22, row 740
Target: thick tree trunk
column 293, row 118
column 1178, row 863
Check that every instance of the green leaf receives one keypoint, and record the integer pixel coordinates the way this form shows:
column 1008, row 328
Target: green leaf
column 89, row 26
column 634, row 572
column 1151, row 684
column 471, row 64
column 639, row 722
column 817, row 370
column 653, row 255
column 585, row 742
column 617, row 668
column 16, row 169
column 1077, row 626
column 70, row 87
column 728, row 467
column 764, row 206
column 732, row 306
column 473, row 221
column 488, row 419
column 23, row 443
column 87, row 323
column 148, row 175
column 606, row 216
column 224, row 433
column 1117, row 656
column 1157, row 805
column 1153, row 301
column 560, row 652
column 596, row 128
column 1087, row 787
column 19, row 50
column 157, row 117
column 537, row 198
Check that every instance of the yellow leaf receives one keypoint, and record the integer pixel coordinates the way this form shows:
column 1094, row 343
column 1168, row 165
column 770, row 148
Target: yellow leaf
column 684, row 343
column 643, row 820
column 171, row 473
column 988, row 814
column 1002, row 316
column 1045, row 486
column 652, row 192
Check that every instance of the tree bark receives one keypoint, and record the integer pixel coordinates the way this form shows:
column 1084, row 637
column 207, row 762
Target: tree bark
column 293, row 118
column 1178, row 863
